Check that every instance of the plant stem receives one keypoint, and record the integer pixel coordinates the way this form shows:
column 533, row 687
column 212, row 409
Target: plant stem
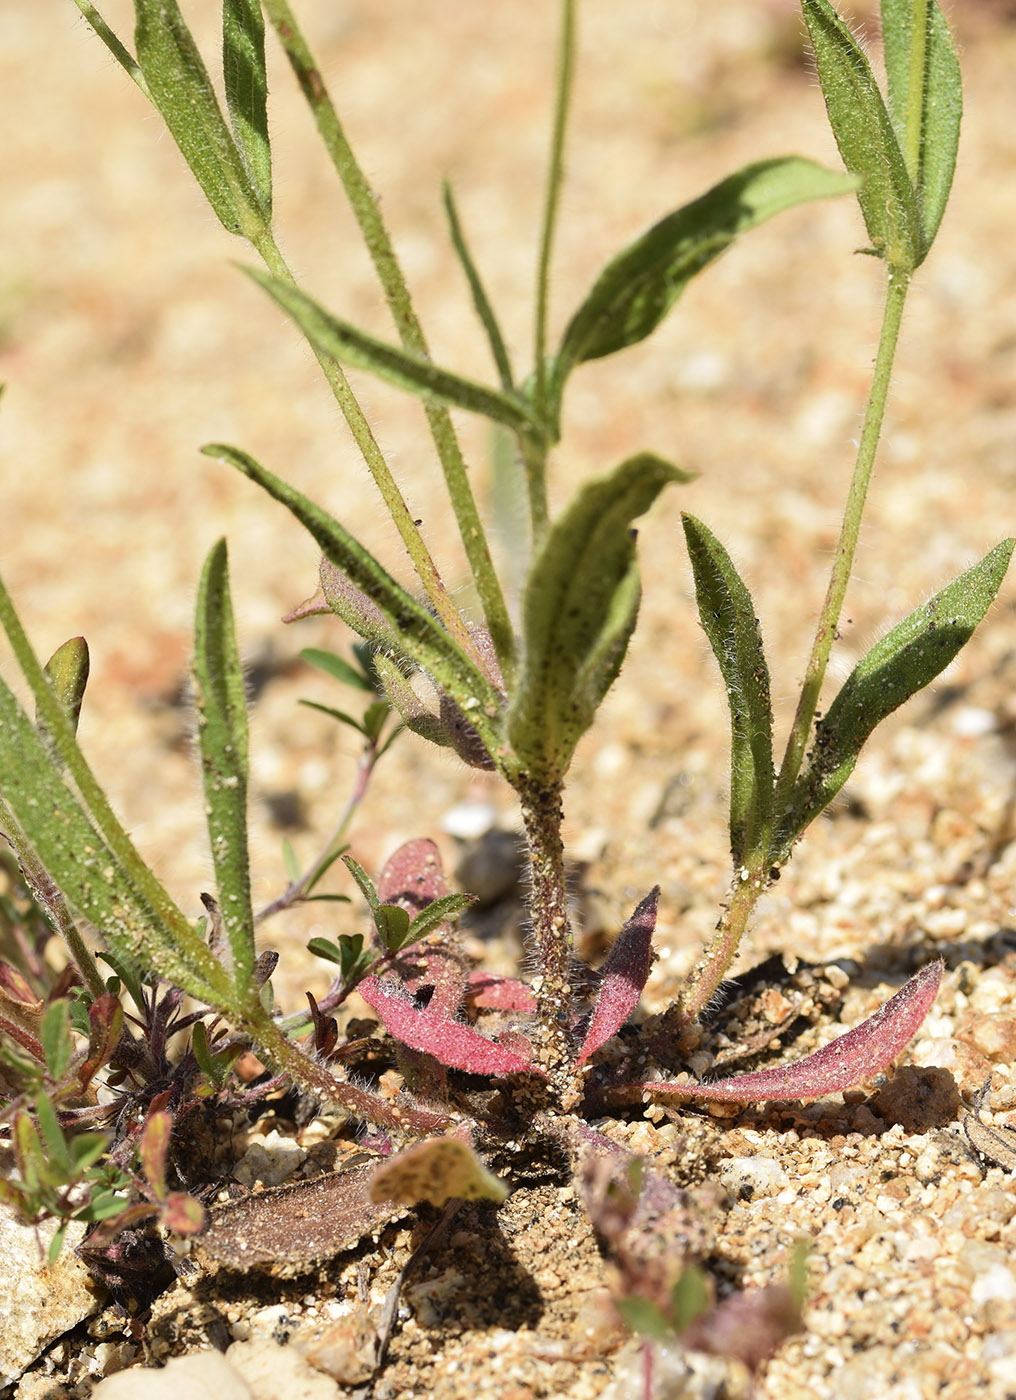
column 368, row 216
column 843, row 561
column 917, row 80
column 551, row 929
column 551, row 203
column 711, row 968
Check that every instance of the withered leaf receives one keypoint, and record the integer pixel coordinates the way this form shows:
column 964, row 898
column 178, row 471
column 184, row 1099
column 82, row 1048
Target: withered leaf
column 988, row 1142
column 437, row 1171
column 291, row 1228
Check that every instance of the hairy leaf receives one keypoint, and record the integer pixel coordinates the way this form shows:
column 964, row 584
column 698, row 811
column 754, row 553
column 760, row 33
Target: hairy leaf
column 842, row 1064
column 906, row 660
column 940, row 93
column 579, row 611
column 452, row 1044
column 636, row 289
column 246, row 83
column 221, row 711
column 406, row 369
column 623, row 976
column 437, row 1171
column 499, row 993
column 728, row 617
column 865, row 137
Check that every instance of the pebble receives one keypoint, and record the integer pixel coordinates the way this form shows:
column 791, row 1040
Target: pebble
column 38, row 1302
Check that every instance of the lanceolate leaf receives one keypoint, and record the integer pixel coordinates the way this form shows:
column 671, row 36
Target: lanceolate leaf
column 452, row 1044
column 636, row 289
column 579, row 611
column 246, row 82
column 897, row 667
column 865, row 137
column 406, row 369
column 181, row 89
column 419, row 635
column 728, row 616
column 623, row 976
column 843, row 1063
column 221, row 708
column 67, row 669
column 939, row 93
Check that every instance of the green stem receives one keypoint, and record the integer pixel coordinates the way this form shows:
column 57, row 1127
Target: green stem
column 916, row 88
column 846, row 547
column 395, row 502
column 552, row 200
column 534, row 463
column 368, row 216
column 711, row 968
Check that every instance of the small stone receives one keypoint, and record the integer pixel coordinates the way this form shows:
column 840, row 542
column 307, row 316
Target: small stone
column 38, row 1302
column 345, row 1349
column 271, row 1159
column 271, row 1371
column 203, row 1375
column 918, row 1099
column 747, row 1178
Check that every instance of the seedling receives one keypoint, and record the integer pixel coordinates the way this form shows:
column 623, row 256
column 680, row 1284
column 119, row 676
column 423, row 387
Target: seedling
column 511, row 697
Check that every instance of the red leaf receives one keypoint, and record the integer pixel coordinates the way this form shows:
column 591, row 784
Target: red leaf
column 452, row 1044
column 412, row 877
column 499, row 993
column 152, row 1151
column 14, row 988
column 623, row 977
column 841, row 1064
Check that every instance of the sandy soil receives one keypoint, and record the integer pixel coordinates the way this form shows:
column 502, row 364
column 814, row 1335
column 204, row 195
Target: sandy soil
column 127, row 341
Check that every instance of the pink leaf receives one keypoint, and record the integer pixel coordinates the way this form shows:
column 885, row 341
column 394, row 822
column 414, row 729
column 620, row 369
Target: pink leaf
column 623, row 977
column 441, row 970
column 841, row 1064
column 499, row 993
column 412, row 877
column 453, row 1044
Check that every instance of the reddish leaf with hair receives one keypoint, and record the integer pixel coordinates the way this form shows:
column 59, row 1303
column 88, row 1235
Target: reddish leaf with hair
column 499, row 993
column 623, row 976
column 412, row 877
column 454, row 1045
column 844, row 1062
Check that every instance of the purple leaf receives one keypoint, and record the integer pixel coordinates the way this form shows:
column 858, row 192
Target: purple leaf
column 499, row 993
column 452, row 1044
column 623, row 977
column 749, row 1326
column 844, row 1062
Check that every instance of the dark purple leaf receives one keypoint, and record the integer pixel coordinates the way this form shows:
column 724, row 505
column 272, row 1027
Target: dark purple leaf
column 623, row 976
column 452, row 1044
column 844, row 1062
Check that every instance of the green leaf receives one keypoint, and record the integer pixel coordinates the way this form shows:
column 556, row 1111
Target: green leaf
column 67, row 670
column 689, row 1297
column 86, row 1149
column 938, row 89
column 331, row 336
column 348, row 953
column 420, row 635
column 59, row 1166
column 291, row 861
column 727, row 614
column 201, row 1052
column 439, row 911
column 865, row 137
column 637, row 288
column 340, row 715
column 181, row 89
column 390, row 920
column 338, row 667
column 579, row 611
column 55, row 1034
column 127, row 973
column 481, row 300
column 115, row 46
column 246, row 82
column 644, row 1317
column 56, row 1244
column 906, row 660
column 221, row 711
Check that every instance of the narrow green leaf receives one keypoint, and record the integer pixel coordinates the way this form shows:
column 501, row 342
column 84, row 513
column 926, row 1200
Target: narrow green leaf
column 67, row 670
column 482, row 302
column 86, row 1149
column 56, row 1244
column 59, row 1166
column 439, row 911
column 420, row 635
column 406, row 369
column 246, row 82
column 55, row 1034
column 390, row 920
column 645, row 1318
column 116, row 47
column 727, row 614
column 28, row 1153
column 939, row 91
column 340, row 715
column 637, row 288
column 865, row 137
column 221, row 711
column 578, row 612
column 338, row 667
column 181, row 89
column 127, row 973
column 906, row 660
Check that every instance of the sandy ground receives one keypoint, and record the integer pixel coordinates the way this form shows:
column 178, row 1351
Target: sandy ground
column 127, row 341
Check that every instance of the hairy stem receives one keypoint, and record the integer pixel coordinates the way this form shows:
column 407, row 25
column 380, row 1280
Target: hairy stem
column 712, row 967
column 366, row 210
column 551, row 930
